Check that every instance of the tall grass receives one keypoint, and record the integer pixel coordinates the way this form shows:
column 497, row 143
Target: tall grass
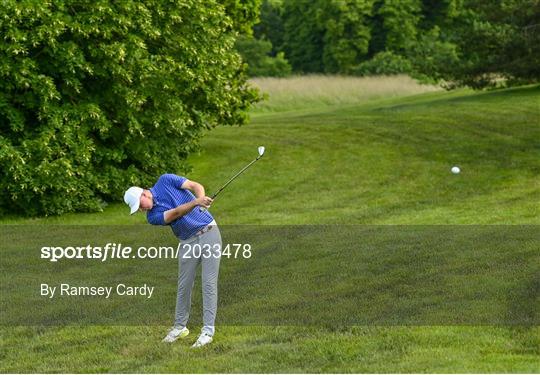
column 301, row 92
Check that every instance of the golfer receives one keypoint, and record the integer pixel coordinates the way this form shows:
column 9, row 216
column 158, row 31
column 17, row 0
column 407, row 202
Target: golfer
column 181, row 204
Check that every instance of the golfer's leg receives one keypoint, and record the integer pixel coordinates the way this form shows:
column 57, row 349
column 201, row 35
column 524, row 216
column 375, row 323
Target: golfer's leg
column 186, row 277
column 210, row 272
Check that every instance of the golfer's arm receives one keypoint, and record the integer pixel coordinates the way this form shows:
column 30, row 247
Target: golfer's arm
column 195, row 188
column 174, row 213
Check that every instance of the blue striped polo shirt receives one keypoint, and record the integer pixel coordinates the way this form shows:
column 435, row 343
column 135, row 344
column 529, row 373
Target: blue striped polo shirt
column 167, row 194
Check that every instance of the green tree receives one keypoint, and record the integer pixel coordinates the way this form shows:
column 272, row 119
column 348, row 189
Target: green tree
column 303, row 39
column 243, row 14
column 271, row 26
column 440, row 13
column 497, row 42
column 256, row 54
column 400, row 23
column 346, row 33
column 95, row 96
column 326, row 35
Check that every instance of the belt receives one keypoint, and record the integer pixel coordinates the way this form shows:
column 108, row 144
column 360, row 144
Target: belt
column 204, row 230
column 207, row 228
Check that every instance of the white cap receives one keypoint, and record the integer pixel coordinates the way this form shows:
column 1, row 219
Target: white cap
column 132, row 197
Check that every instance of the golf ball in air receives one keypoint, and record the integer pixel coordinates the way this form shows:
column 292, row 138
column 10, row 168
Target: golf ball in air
column 455, row 170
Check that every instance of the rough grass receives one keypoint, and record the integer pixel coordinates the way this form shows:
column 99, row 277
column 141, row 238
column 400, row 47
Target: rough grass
column 370, row 160
column 300, row 92
column 274, row 350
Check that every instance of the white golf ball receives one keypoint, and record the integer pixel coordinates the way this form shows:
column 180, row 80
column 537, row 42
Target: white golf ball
column 455, row 170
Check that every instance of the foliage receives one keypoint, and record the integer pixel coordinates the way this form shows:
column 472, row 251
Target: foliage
column 400, row 23
column 303, row 39
column 385, row 63
column 496, row 42
column 460, row 42
column 243, row 14
column 432, row 58
column 325, row 36
column 346, row 33
column 271, row 26
column 256, row 53
column 100, row 95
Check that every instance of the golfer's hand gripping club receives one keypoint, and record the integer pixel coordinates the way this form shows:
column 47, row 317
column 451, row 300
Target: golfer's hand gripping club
column 204, row 202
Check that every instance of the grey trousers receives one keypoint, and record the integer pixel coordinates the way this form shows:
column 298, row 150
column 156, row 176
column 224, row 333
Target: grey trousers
column 204, row 249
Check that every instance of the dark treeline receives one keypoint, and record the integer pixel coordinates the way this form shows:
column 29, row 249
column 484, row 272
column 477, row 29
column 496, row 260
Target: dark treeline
column 462, row 42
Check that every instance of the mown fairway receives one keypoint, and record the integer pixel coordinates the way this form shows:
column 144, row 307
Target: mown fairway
column 357, row 159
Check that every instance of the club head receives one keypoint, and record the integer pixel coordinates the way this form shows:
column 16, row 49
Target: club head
column 261, row 151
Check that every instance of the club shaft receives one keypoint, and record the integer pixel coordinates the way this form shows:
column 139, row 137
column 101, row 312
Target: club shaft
column 233, row 177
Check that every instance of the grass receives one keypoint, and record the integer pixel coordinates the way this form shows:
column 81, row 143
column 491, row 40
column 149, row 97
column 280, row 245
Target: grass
column 370, row 275
column 279, row 349
column 369, row 159
column 304, row 92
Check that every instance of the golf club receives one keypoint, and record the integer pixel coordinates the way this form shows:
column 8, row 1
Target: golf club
column 261, row 153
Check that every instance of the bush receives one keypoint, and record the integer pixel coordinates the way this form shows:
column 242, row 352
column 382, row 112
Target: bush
column 96, row 96
column 256, row 54
column 384, row 63
column 426, row 59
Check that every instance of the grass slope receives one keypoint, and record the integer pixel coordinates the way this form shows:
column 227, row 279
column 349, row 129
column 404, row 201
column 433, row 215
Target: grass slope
column 380, row 161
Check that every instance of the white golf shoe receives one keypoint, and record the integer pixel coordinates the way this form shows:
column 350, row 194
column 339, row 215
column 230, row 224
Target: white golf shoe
column 176, row 333
column 204, row 339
